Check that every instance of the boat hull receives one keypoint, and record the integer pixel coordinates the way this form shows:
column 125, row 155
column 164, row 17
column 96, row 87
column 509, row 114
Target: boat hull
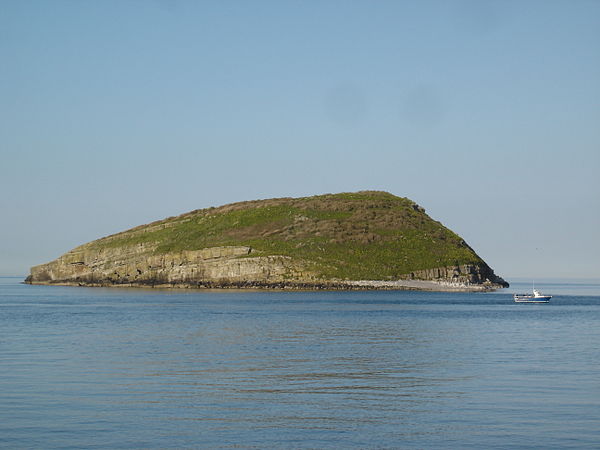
column 532, row 299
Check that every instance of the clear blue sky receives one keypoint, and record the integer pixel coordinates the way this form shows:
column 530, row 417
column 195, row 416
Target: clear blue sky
column 486, row 113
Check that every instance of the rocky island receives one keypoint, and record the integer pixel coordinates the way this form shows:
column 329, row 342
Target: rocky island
column 362, row 240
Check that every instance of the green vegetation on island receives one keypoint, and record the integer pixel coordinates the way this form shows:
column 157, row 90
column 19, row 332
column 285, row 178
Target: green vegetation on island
column 367, row 235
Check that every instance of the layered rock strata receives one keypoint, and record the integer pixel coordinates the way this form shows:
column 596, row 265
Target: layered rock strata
column 233, row 267
column 138, row 266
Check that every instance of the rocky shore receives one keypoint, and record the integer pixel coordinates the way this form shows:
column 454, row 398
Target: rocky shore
column 361, row 285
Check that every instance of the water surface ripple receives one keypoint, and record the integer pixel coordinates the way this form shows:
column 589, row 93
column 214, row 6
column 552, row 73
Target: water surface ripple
column 118, row 368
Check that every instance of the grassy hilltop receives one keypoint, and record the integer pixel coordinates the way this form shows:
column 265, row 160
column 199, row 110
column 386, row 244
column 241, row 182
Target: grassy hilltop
column 367, row 235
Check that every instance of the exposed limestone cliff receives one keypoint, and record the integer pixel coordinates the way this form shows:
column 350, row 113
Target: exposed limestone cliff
column 334, row 241
column 139, row 266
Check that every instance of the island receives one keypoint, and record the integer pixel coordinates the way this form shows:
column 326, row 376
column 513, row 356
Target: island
column 359, row 240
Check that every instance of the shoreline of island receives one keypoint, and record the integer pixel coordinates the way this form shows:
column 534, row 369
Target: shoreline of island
column 332, row 285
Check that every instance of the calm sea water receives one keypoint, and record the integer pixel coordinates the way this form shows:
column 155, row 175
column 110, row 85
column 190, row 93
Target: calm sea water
column 115, row 368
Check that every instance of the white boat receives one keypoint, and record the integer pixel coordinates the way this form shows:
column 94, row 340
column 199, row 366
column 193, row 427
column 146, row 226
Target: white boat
column 537, row 297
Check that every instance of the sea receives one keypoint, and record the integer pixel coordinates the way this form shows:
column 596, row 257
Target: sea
column 108, row 368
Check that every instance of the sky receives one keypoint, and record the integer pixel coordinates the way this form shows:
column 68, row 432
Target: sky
column 486, row 113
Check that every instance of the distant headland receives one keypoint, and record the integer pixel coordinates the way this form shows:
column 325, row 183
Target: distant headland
column 361, row 240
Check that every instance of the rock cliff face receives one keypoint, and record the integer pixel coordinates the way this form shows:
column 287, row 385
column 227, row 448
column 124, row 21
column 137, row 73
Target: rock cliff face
column 316, row 242
column 465, row 273
column 139, row 266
